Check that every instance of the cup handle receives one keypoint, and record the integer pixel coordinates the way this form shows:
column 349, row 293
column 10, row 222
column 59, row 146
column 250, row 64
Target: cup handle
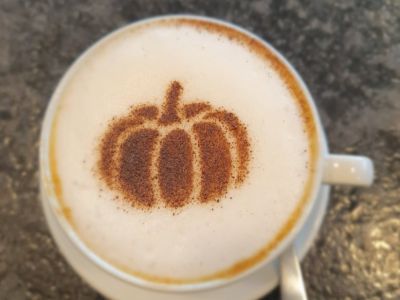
column 348, row 170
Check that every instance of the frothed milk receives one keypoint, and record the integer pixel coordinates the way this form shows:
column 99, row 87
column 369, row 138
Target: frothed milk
column 182, row 151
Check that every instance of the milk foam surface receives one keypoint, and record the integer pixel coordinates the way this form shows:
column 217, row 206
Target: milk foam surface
column 135, row 67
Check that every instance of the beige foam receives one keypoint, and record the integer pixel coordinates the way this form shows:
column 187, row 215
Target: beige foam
column 135, row 67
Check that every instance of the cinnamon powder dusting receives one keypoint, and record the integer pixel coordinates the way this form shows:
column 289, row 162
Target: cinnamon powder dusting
column 149, row 112
column 150, row 163
column 176, row 168
column 216, row 162
column 242, row 141
column 135, row 163
column 108, row 146
column 193, row 109
column 171, row 113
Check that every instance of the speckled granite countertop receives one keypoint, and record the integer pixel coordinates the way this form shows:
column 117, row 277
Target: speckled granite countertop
column 349, row 55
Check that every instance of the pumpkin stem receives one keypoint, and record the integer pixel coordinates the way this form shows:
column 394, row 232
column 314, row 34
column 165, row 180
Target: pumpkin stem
column 170, row 113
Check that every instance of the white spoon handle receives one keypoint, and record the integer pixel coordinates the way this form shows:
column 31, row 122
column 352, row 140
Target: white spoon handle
column 291, row 279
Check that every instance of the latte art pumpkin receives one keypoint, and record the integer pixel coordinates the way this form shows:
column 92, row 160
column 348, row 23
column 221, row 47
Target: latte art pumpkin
column 183, row 152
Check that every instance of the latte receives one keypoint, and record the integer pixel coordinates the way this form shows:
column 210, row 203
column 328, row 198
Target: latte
column 182, row 150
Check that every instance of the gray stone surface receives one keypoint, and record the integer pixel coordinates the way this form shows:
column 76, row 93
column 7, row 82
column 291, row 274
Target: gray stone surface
column 349, row 55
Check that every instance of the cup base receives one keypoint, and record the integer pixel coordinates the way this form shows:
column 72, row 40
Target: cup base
column 252, row 286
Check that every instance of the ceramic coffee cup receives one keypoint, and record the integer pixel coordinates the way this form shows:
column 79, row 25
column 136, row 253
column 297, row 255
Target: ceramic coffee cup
column 117, row 284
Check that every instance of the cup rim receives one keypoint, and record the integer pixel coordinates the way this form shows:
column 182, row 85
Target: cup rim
column 55, row 206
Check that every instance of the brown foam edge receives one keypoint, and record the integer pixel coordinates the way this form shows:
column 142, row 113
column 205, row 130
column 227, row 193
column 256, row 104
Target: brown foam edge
column 295, row 89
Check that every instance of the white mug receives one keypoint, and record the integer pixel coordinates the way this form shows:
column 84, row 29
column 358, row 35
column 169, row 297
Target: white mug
column 114, row 283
